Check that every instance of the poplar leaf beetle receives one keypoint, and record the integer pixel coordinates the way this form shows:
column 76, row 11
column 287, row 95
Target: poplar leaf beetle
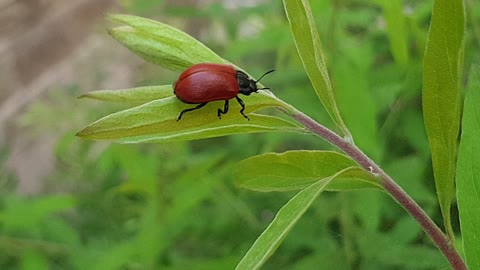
column 205, row 82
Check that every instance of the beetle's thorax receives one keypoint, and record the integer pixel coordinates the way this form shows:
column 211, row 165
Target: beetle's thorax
column 246, row 86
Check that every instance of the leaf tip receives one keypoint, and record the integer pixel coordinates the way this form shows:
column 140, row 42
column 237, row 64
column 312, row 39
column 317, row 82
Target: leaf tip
column 83, row 133
column 80, row 134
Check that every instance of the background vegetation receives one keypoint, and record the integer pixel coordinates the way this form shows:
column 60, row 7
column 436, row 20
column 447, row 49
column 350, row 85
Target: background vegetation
column 174, row 206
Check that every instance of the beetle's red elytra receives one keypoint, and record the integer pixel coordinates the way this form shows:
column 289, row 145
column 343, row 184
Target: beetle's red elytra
column 205, row 82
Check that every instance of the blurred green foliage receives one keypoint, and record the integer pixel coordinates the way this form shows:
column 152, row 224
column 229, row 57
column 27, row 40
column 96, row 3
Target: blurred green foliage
column 174, row 206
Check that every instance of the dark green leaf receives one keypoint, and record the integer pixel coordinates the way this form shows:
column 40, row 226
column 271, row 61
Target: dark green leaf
column 468, row 172
column 382, row 249
column 442, row 96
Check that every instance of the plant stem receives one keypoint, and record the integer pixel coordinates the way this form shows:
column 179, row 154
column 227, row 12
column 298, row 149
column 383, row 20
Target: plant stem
column 390, row 186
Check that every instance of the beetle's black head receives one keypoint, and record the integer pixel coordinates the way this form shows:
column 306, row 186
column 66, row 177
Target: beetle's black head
column 246, row 85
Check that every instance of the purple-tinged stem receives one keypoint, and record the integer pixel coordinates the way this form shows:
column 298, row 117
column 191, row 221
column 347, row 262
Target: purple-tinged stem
column 427, row 224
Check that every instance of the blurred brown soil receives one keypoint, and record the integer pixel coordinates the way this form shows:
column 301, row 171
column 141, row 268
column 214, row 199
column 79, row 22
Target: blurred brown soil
column 41, row 42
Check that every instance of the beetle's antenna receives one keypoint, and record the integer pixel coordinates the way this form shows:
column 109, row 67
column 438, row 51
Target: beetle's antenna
column 270, row 71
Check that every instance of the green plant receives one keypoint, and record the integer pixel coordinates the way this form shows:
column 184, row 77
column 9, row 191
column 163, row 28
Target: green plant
column 155, row 121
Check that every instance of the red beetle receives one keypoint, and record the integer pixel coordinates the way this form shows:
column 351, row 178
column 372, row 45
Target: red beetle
column 205, row 82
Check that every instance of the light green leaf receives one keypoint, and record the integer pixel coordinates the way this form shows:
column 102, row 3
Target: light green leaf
column 156, row 121
column 307, row 41
column 468, row 172
column 442, row 96
column 283, row 222
column 161, row 44
column 137, row 95
column 295, row 170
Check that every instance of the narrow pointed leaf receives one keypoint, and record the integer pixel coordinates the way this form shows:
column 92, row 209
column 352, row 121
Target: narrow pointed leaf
column 309, row 48
column 442, row 96
column 468, row 173
column 161, row 44
column 295, row 170
column 137, row 95
column 283, row 222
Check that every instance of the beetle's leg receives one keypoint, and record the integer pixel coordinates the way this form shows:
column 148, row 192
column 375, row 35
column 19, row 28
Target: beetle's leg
column 225, row 110
column 243, row 107
column 191, row 109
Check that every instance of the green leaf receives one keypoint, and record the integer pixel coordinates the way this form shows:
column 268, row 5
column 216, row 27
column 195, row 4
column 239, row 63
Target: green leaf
column 137, row 95
column 442, row 96
column 382, row 249
column 295, row 170
column 468, row 172
column 307, row 41
column 396, row 29
column 161, row 44
column 29, row 213
column 283, row 222
column 156, row 121
column 33, row 260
